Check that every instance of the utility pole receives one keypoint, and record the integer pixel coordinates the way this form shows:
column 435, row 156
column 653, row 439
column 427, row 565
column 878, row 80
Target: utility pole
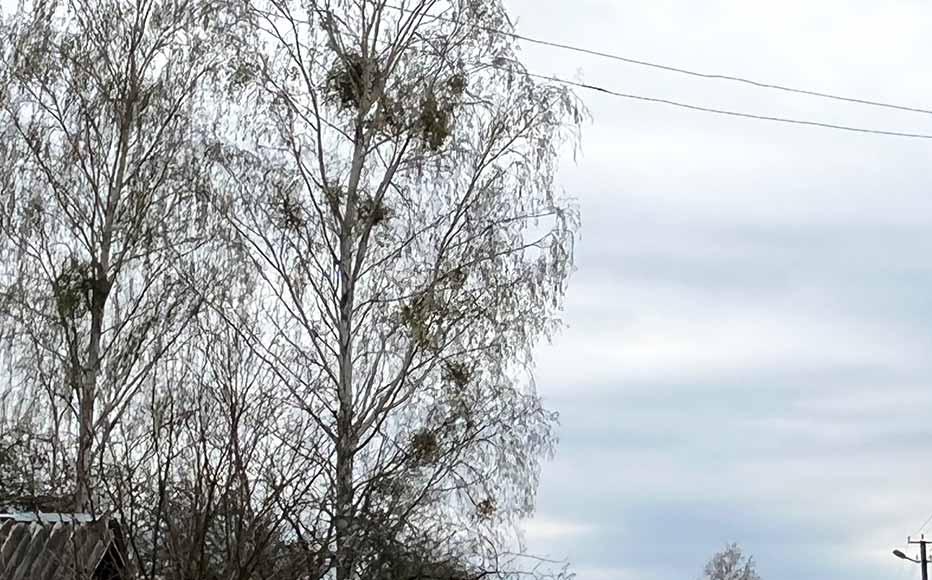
column 923, row 560
column 923, row 555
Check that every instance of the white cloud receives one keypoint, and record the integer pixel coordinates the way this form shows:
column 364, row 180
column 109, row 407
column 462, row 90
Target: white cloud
column 588, row 573
column 554, row 530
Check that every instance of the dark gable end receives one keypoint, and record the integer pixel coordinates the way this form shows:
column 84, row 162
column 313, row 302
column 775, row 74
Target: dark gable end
column 71, row 548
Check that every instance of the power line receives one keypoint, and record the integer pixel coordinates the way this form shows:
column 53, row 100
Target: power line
column 688, row 106
column 679, row 70
column 924, row 524
column 724, row 112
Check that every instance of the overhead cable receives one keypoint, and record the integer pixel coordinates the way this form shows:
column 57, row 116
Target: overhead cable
column 678, row 70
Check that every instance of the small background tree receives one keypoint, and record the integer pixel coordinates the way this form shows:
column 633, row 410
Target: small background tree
column 730, row 564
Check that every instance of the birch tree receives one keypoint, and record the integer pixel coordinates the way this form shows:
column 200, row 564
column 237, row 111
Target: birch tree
column 101, row 210
column 392, row 183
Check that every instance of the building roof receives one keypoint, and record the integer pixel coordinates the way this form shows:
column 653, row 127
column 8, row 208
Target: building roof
column 47, row 518
column 52, row 546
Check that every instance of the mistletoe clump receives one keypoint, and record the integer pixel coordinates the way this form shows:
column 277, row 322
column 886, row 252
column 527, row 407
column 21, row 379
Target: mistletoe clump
column 352, row 79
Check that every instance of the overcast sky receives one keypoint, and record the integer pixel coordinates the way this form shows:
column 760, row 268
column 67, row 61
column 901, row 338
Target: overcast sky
column 748, row 334
column 747, row 351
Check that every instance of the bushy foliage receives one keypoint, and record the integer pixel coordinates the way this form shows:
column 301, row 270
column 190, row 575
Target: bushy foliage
column 731, row 564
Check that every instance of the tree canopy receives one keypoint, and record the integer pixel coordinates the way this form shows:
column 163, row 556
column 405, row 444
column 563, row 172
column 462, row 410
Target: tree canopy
column 272, row 273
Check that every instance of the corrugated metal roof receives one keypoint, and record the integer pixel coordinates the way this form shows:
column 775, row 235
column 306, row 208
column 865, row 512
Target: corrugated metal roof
column 42, row 550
